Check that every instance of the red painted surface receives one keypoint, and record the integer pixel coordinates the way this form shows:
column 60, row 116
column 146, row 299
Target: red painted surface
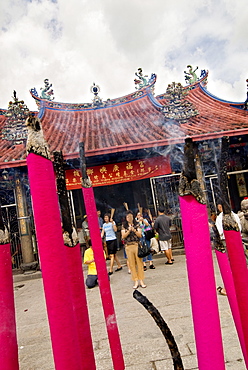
column 8, row 338
column 116, row 173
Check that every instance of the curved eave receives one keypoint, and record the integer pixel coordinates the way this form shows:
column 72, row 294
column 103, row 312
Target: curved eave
column 136, row 146
column 50, row 104
column 238, row 105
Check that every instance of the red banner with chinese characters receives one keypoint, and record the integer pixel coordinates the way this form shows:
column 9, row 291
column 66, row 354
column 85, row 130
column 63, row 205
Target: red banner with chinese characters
column 110, row 174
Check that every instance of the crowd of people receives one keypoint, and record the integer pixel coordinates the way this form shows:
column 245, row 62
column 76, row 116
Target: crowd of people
column 136, row 229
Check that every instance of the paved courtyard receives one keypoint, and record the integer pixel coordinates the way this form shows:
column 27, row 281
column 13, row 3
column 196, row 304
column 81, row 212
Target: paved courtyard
column 143, row 344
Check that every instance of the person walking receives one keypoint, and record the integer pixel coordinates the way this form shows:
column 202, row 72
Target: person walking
column 131, row 233
column 162, row 226
column 109, row 229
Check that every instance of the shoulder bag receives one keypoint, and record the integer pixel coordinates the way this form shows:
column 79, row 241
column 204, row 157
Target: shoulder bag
column 143, row 249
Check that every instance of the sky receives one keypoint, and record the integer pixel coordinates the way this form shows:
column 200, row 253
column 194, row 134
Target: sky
column 74, row 43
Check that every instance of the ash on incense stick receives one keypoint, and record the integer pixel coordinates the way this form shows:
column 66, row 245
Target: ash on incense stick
column 69, row 232
column 188, row 184
column 86, row 183
column 229, row 222
column 36, row 143
column 177, row 361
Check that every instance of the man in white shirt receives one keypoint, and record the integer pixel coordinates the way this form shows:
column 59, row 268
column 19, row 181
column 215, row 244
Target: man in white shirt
column 219, row 224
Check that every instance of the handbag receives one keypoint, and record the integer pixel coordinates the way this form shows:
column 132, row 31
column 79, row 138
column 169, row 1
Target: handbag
column 143, row 249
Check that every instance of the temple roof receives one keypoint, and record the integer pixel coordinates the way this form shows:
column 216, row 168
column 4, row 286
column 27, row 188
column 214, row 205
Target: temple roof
column 136, row 121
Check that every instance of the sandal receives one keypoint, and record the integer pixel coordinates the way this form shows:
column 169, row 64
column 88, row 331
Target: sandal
column 143, row 285
column 168, row 263
column 221, row 290
column 136, row 285
column 152, row 267
column 145, row 268
column 119, row 269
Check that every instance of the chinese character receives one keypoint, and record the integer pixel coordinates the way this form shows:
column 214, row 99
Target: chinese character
column 89, row 171
column 67, row 181
column 142, row 170
column 76, row 173
column 131, row 172
column 96, row 177
column 125, row 173
column 115, row 168
column 118, row 174
column 141, row 163
column 103, row 176
column 129, row 166
column 110, row 175
column 74, row 180
column 103, row 169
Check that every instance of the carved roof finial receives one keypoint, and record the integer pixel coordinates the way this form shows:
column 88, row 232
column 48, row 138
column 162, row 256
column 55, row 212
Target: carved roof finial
column 142, row 80
column 190, row 76
column 47, row 92
column 95, row 89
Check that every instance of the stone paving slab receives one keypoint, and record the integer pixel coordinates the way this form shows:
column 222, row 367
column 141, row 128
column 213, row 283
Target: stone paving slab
column 143, row 344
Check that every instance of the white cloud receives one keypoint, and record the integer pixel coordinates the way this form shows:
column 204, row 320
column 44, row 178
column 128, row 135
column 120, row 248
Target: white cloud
column 75, row 43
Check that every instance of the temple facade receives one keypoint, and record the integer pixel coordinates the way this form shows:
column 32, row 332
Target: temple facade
column 133, row 147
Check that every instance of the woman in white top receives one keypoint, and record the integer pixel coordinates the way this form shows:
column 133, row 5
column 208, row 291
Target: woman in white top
column 109, row 229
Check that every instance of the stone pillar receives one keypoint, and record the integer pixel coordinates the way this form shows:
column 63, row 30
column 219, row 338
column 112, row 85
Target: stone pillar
column 29, row 262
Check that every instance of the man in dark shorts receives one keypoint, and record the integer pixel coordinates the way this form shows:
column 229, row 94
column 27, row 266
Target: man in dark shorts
column 162, row 226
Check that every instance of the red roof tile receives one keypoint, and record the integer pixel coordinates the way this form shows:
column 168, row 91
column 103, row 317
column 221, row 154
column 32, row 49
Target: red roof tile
column 132, row 122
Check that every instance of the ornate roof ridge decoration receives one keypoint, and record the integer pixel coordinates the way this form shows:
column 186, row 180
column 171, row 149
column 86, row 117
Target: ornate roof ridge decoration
column 142, row 80
column 14, row 128
column 36, row 143
column 177, row 108
column 191, row 78
column 202, row 81
column 105, row 104
column 97, row 101
column 46, row 91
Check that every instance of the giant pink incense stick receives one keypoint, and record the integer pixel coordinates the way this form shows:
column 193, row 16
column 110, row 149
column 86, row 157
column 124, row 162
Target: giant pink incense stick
column 103, row 278
column 51, row 251
column 227, row 278
column 240, row 276
column 200, row 268
column 74, row 269
column 8, row 339
column 79, row 302
column 234, row 245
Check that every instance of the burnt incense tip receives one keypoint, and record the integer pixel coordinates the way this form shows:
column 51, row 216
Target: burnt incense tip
column 4, row 236
column 223, row 182
column 189, row 159
column 36, row 143
column 229, row 222
column 188, row 184
column 86, row 183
